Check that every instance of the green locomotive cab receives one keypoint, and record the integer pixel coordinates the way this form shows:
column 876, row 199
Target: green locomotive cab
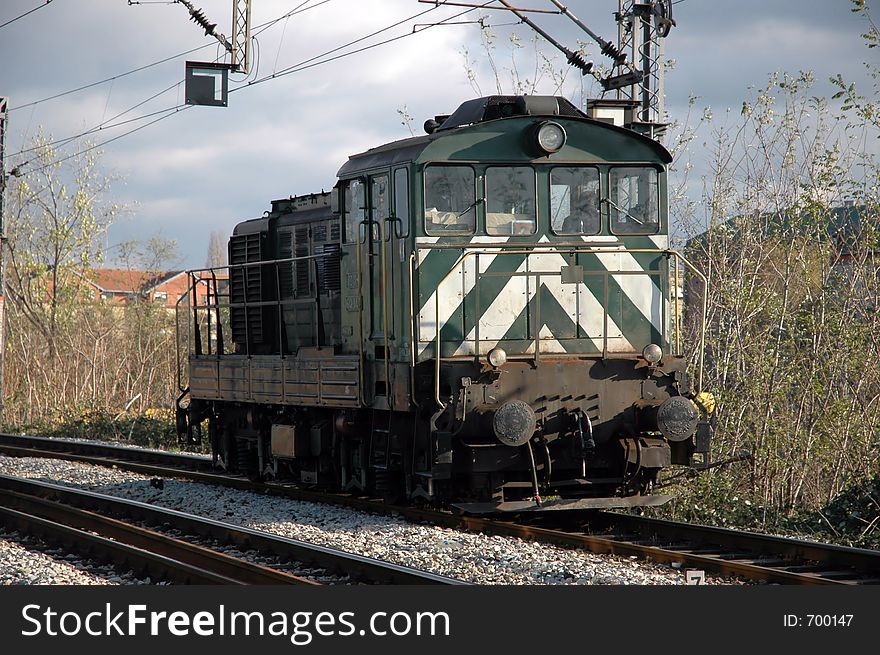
column 486, row 316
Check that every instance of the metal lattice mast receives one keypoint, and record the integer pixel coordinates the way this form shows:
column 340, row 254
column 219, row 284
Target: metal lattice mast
column 642, row 28
column 241, row 34
column 239, row 46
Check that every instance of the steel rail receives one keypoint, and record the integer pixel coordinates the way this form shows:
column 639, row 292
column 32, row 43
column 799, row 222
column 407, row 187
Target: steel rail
column 836, row 560
column 107, row 549
column 723, row 551
column 21, row 443
column 176, row 559
column 358, row 567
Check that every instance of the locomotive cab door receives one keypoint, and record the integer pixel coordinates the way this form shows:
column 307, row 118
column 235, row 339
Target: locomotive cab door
column 384, row 286
column 376, row 290
column 377, row 316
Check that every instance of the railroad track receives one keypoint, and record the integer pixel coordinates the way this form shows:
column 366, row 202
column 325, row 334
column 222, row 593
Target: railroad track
column 725, row 552
column 90, row 522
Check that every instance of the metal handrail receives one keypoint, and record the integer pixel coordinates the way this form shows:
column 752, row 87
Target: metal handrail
column 205, row 275
column 552, row 249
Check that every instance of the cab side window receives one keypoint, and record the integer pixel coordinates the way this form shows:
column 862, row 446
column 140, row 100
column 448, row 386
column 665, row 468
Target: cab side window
column 450, row 200
column 355, row 204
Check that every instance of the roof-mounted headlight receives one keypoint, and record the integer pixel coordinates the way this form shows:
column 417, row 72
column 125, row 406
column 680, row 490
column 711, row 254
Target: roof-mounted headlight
column 550, row 137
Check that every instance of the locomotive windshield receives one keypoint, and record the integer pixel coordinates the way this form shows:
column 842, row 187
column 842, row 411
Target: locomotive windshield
column 633, row 200
column 574, row 200
column 450, row 200
column 510, row 200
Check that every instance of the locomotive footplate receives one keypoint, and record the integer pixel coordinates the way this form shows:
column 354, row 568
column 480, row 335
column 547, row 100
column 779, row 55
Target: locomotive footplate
column 562, row 504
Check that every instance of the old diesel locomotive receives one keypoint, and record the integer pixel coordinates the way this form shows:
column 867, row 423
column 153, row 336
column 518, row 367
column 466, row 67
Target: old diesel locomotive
column 483, row 317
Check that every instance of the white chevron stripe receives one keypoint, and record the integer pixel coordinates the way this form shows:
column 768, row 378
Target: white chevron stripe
column 661, row 241
column 639, row 289
column 548, row 343
column 580, row 305
column 578, row 302
column 645, row 296
column 452, row 292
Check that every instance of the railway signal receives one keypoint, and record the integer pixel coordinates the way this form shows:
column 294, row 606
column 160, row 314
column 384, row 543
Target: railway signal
column 207, row 83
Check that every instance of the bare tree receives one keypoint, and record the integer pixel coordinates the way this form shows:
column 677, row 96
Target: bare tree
column 216, row 250
column 789, row 243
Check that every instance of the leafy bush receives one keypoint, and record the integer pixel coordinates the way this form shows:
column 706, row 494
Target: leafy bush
column 852, row 517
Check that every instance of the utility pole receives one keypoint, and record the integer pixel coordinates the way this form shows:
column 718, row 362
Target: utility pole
column 4, row 103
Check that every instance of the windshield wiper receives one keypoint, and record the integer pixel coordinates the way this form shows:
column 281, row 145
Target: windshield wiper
column 468, row 208
column 623, row 211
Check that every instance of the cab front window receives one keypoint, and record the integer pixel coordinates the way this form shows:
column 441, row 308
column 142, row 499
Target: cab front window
column 574, row 200
column 633, row 200
column 510, row 200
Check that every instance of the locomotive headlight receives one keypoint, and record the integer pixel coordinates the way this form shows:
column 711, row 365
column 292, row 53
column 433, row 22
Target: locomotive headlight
column 497, row 357
column 550, row 137
column 652, row 353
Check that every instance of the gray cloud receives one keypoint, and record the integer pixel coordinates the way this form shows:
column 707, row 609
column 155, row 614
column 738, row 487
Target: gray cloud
column 204, row 169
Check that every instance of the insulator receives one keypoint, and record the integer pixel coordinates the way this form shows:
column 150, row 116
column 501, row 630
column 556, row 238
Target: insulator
column 578, row 61
column 198, row 16
column 610, row 50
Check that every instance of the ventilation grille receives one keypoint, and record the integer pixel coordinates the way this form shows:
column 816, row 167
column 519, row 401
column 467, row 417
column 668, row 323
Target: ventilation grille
column 245, row 286
column 302, row 266
column 328, row 267
column 285, row 270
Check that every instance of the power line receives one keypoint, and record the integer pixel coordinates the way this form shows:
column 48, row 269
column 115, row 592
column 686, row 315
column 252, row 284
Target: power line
column 308, row 63
column 107, row 125
column 27, row 13
column 110, row 79
column 302, row 65
column 94, row 146
column 104, row 125
column 261, row 28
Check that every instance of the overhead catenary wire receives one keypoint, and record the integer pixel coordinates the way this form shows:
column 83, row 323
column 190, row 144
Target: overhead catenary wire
column 606, row 47
column 108, row 124
column 259, row 29
column 55, row 162
column 574, row 58
column 111, row 78
column 306, row 64
column 46, row 3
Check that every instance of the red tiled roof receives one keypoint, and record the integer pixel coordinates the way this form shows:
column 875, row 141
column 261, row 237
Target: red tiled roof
column 126, row 280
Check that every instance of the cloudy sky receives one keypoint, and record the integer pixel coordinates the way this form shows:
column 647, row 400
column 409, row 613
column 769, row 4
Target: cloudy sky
column 298, row 115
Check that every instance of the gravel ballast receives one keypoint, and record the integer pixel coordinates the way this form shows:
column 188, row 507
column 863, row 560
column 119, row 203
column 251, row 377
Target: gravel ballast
column 25, row 561
column 475, row 558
